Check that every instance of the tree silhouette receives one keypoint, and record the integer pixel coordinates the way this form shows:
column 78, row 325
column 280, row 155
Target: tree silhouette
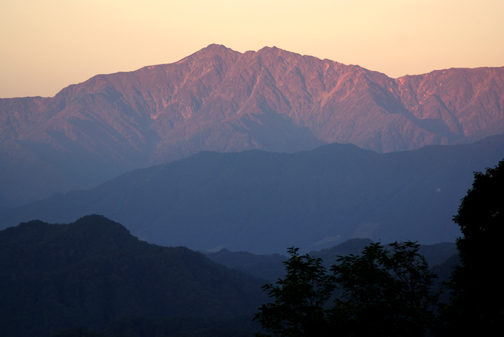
column 478, row 294
column 300, row 297
column 386, row 292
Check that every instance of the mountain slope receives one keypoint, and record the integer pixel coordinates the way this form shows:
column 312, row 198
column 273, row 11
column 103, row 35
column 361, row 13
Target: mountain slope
column 221, row 100
column 265, row 202
column 91, row 272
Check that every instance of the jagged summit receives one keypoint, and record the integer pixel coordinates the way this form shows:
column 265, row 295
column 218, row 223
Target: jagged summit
column 219, row 99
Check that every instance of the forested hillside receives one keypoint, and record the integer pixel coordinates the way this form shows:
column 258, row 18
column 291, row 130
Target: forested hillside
column 92, row 272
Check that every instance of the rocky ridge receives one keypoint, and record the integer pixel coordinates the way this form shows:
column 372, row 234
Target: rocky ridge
column 221, row 100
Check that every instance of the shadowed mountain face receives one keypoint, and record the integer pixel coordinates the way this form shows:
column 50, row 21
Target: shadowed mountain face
column 221, row 100
column 264, row 202
column 91, row 272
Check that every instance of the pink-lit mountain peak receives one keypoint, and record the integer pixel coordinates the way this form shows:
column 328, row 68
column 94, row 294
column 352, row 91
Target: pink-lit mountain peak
column 222, row 100
column 303, row 81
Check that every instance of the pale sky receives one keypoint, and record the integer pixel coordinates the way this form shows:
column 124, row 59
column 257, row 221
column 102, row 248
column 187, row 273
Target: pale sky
column 46, row 45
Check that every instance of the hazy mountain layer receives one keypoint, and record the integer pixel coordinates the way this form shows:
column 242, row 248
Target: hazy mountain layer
column 265, row 202
column 271, row 267
column 91, row 272
column 221, row 100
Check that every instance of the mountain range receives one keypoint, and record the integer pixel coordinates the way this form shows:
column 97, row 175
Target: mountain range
column 264, row 202
column 271, row 267
column 221, row 100
column 93, row 275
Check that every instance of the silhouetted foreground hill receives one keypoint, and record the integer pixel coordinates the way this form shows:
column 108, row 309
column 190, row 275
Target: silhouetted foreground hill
column 92, row 272
column 241, row 326
column 264, row 202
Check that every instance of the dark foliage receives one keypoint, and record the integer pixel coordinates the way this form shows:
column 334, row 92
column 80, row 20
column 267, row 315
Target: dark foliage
column 300, row 298
column 478, row 295
column 241, row 326
column 384, row 292
column 79, row 331
column 91, row 272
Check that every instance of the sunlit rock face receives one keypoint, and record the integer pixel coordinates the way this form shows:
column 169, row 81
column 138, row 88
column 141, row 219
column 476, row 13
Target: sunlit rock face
column 221, row 100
